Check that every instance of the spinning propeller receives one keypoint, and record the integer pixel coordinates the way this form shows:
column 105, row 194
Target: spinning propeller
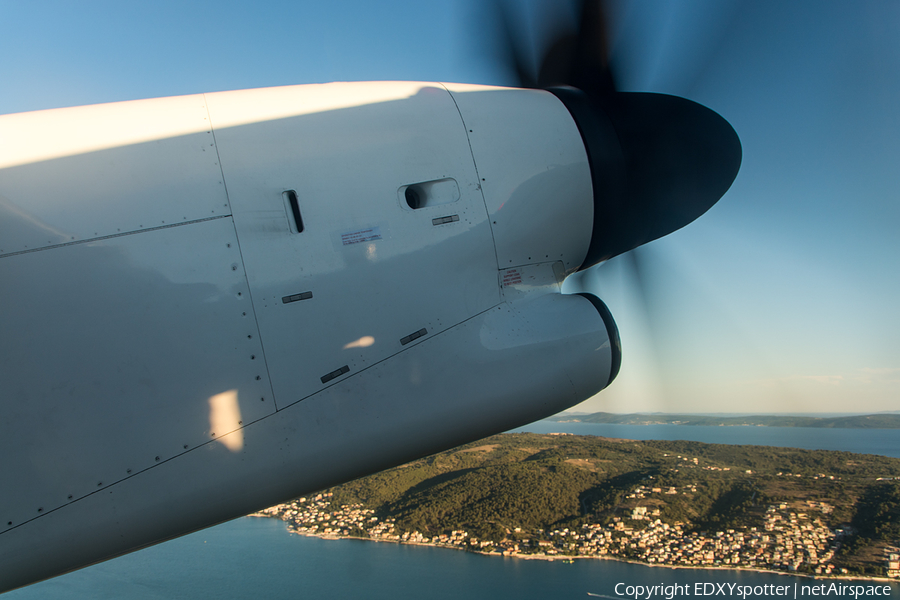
column 658, row 162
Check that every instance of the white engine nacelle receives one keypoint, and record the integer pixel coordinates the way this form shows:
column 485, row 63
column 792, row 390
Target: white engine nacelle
column 214, row 303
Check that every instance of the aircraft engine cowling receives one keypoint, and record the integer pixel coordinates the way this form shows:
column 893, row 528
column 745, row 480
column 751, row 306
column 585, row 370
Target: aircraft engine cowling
column 215, row 303
column 513, row 364
column 534, row 172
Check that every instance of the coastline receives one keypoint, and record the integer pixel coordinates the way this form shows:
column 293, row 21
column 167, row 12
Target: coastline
column 571, row 559
column 672, row 504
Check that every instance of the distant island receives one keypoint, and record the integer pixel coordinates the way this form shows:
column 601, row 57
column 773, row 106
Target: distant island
column 673, row 503
column 877, row 421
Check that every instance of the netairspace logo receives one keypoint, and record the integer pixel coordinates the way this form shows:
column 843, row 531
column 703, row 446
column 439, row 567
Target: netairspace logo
column 796, row 591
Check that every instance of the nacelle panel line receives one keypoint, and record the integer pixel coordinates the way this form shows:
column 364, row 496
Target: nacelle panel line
column 330, row 280
column 513, row 364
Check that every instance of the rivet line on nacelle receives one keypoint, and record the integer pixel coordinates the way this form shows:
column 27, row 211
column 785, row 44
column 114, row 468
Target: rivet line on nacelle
column 71, row 497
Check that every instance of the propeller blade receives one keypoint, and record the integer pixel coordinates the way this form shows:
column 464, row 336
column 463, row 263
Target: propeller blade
column 580, row 57
column 576, row 56
column 510, row 48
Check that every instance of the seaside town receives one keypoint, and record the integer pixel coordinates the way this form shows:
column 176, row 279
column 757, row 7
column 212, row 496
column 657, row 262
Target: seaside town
column 790, row 538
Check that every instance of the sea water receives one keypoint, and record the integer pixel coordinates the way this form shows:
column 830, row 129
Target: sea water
column 259, row 558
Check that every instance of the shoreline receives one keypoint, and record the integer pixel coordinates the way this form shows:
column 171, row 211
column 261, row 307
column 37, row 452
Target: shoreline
column 571, row 559
column 795, row 531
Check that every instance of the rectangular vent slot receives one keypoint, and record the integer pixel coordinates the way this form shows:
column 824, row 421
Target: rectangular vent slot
column 335, row 374
column 413, row 336
column 296, row 297
column 294, row 205
column 442, row 220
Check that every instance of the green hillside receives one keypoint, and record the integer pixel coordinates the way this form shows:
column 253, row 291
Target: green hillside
column 513, row 490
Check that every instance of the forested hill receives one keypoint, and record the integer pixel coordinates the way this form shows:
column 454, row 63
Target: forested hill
column 525, row 486
column 878, row 421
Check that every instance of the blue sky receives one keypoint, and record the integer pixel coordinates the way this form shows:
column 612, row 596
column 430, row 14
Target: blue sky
column 781, row 299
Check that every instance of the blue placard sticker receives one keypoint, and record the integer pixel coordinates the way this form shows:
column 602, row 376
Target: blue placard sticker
column 359, row 236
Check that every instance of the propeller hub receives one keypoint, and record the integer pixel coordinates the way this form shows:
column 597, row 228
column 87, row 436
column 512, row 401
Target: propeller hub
column 658, row 162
